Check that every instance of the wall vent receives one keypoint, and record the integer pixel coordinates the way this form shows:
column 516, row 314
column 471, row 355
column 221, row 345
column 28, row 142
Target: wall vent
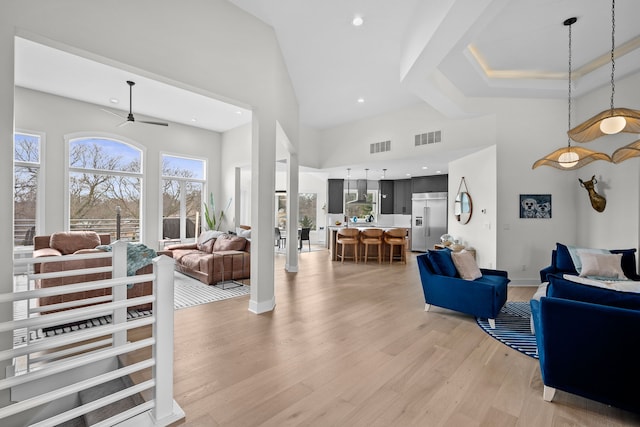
column 428, row 138
column 380, row 147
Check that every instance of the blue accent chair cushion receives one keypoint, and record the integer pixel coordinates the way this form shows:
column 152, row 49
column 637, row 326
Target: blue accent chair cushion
column 587, row 342
column 443, row 263
column 483, row 297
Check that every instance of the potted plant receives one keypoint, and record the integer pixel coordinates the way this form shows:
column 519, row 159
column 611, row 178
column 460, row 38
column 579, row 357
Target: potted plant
column 213, row 223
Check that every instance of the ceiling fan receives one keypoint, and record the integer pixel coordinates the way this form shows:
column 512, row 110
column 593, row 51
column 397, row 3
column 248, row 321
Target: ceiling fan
column 129, row 118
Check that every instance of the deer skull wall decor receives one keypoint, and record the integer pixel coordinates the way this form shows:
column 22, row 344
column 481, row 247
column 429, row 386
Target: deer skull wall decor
column 597, row 201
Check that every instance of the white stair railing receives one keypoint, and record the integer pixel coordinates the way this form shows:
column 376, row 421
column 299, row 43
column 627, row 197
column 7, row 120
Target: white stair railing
column 56, row 364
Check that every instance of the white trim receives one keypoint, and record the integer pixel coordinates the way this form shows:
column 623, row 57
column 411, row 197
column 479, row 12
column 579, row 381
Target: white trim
column 262, row 307
column 40, row 198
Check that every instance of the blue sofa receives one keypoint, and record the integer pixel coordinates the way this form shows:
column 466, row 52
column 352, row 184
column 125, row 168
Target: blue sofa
column 443, row 287
column 562, row 263
column 588, row 339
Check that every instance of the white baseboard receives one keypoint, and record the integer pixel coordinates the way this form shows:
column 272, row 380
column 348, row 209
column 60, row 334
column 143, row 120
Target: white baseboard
column 262, row 307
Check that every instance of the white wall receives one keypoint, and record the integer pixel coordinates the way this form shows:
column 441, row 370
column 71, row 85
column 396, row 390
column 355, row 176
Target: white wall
column 479, row 172
column 57, row 116
column 236, row 152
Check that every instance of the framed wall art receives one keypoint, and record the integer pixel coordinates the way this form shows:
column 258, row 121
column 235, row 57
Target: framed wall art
column 535, row 206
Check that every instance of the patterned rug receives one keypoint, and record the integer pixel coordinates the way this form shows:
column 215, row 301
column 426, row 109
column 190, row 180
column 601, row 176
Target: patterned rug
column 513, row 328
column 189, row 292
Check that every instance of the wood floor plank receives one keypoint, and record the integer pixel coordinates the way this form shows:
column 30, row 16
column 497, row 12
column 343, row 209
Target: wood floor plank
column 351, row 345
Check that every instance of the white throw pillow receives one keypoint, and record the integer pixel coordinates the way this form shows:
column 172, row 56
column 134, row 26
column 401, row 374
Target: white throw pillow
column 601, row 265
column 466, row 265
column 205, row 236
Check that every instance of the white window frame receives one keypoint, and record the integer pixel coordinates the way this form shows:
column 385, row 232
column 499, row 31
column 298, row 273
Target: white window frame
column 183, row 204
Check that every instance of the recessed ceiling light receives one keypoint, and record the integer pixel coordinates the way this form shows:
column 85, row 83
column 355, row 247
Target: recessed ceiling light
column 194, row 120
column 357, row 21
column 408, row 174
column 239, row 112
column 425, row 167
column 438, row 171
column 360, row 100
column 113, row 100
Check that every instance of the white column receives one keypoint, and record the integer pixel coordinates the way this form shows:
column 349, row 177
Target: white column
column 263, row 158
column 292, row 212
column 236, row 198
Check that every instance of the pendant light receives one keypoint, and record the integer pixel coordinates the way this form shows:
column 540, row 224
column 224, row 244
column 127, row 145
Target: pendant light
column 612, row 120
column 570, row 158
column 626, row 152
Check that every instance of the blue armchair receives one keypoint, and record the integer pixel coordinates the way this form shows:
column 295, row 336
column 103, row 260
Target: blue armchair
column 482, row 297
column 588, row 340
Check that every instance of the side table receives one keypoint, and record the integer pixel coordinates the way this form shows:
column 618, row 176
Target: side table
column 225, row 255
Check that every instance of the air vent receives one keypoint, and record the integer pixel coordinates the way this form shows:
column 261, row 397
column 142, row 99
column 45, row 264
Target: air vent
column 380, row 147
column 428, row 138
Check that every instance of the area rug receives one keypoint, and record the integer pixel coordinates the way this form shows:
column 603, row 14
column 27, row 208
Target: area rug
column 513, row 328
column 189, row 292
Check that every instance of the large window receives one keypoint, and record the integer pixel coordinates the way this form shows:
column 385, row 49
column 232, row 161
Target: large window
column 27, row 158
column 183, row 186
column 105, row 178
column 360, row 210
column 307, row 210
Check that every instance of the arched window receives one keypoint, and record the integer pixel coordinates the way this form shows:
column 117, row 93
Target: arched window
column 105, row 181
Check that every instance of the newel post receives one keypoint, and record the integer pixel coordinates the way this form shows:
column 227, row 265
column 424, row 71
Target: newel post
column 163, row 333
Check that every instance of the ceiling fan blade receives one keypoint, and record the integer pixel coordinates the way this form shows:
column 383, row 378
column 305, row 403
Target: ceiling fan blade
column 153, row 123
column 126, row 122
column 115, row 114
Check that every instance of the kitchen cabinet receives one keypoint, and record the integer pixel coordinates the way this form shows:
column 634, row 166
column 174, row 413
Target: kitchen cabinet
column 430, row 184
column 335, row 204
column 402, row 196
column 386, row 197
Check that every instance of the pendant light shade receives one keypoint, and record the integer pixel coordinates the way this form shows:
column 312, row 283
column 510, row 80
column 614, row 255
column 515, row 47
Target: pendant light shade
column 612, row 120
column 626, row 152
column 570, row 158
column 606, row 123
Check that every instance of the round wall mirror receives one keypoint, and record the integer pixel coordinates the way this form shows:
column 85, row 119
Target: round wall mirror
column 463, row 207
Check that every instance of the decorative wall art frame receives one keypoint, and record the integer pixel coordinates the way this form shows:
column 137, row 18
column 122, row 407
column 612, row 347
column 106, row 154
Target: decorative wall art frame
column 535, row 206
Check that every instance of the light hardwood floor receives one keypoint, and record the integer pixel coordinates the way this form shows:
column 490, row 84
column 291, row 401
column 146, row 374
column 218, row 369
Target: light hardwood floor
column 350, row 345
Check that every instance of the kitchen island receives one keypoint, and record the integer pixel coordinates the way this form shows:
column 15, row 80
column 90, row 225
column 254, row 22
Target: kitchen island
column 333, row 230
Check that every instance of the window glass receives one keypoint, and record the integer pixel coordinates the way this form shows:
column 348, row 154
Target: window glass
column 359, row 210
column 26, row 191
column 307, row 210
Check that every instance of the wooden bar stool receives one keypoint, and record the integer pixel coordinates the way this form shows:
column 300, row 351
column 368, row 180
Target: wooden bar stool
column 347, row 237
column 369, row 237
column 396, row 237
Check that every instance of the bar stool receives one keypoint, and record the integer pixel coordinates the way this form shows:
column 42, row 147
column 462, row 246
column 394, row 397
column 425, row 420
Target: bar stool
column 347, row 237
column 396, row 237
column 372, row 236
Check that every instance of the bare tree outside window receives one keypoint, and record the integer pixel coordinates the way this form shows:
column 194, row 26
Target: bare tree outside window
column 183, row 186
column 26, row 159
column 105, row 174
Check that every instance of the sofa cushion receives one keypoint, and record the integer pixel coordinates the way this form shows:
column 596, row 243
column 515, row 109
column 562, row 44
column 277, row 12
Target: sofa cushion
column 561, row 287
column 442, row 258
column 564, row 262
column 466, row 265
column 431, row 263
column 605, row 266
column 628, row 261
column 228, row 242
column 72, row 241
column 206, row 240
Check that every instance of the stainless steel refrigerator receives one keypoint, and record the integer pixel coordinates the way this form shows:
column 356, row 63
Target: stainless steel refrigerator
column 428, row 220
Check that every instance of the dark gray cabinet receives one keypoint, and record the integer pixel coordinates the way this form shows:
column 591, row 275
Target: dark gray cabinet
column 402, row 196
column 430, row 184
column 335, row 204
column 386, row 197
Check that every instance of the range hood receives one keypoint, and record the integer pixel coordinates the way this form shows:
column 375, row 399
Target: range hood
column 361, row 195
